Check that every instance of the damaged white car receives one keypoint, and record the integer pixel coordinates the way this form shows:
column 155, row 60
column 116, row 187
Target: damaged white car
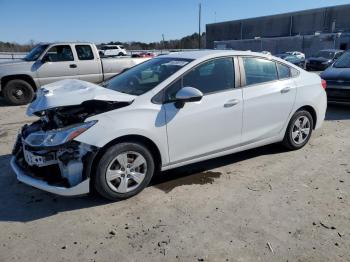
column 167, row 112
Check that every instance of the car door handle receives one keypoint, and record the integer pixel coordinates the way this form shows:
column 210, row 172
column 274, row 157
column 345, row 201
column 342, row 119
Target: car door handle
column 73, row 66
column 231, row 103
column 285, row 90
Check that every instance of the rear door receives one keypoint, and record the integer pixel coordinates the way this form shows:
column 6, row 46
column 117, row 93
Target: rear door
column 211, row 125
column 59, row 64
column 89, row 66
column 269, row 93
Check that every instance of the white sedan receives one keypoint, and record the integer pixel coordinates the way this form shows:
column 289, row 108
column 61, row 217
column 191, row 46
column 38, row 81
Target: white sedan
column 167, row 112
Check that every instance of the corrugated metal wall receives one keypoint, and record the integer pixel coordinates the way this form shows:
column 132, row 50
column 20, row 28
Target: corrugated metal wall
column 327, row 20
column 308, row 44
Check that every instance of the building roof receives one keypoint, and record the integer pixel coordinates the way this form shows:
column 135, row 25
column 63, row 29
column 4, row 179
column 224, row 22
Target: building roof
column 210, row 53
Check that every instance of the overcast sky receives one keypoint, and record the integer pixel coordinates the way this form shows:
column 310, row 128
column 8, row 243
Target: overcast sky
column 128, row 20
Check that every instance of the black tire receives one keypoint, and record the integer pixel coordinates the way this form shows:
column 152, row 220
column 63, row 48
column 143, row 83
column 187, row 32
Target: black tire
column 288, row 140
column 120, row 54
column 18, row 92
column 100, row 180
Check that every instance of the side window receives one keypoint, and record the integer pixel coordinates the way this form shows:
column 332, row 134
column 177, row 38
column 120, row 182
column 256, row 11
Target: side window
column 213, row 76
column 259, row 70
column 84, row 52
column 172, row 90
column 60, row 53
column 283, row 71
column 294, row 72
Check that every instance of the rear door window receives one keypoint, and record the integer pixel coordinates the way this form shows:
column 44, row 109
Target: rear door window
column 84, row 52
column 283, row 71
column 259, row 70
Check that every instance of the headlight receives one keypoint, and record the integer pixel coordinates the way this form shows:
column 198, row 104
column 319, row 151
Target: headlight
column 58, row 136
column 327, row 62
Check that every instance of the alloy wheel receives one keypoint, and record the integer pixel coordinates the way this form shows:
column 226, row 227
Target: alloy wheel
column 301, row 130
column 126, row 172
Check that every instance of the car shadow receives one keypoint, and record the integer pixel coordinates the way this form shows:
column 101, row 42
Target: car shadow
column 199, row 173
column 337, row 112
column 22, row 203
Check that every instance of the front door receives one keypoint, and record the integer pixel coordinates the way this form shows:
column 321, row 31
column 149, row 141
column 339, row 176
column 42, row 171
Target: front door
column 59, row 64
column 211, row 125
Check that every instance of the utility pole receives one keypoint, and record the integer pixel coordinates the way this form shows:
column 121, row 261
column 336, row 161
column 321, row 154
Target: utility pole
column 199, row 25
column 163, row 41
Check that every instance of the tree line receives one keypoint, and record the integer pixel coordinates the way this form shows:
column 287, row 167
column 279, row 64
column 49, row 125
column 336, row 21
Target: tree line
column 15, row 47
column 187, row 42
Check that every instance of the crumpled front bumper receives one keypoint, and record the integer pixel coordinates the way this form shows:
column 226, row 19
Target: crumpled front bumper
column 80, row 189
column 63, row 170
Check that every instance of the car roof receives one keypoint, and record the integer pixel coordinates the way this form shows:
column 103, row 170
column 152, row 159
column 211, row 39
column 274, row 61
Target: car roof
column 332, row 50
column 65, row 43
column 201, row 54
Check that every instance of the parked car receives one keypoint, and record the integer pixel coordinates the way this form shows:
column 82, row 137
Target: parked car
column 338, row 80
column 266, row 52
column 47, row 63
column 112, row 50
column 323, row 59
column 298, row 54
column 292, row 59
column 144, row 54
column 167, row 112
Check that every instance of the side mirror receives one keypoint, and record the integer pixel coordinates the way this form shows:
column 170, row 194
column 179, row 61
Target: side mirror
column 187, row 94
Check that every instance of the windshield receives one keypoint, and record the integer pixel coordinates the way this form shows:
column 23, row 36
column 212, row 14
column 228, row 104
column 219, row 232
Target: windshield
column 291, row 58
column 146, row 76
column 343, row 61
column 326, row 54
column 281, row 55
column 35, row 53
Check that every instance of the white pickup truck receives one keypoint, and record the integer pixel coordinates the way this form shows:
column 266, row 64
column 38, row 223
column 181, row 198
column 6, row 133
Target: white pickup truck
column 47, row 63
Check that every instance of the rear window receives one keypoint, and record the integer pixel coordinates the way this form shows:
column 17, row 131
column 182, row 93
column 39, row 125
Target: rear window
column 343, row 61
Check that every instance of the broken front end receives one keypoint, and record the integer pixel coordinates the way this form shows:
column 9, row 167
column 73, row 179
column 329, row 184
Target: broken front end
column 47, row 157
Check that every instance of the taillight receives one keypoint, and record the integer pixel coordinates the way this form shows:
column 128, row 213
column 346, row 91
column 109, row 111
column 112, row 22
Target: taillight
column 324, row 83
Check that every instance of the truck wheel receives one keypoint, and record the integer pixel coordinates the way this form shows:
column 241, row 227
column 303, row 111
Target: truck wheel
column 124, row 170
column 120, row 54
column 18, row 92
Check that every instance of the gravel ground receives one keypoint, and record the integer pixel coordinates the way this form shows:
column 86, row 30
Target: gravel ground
column 265, row 204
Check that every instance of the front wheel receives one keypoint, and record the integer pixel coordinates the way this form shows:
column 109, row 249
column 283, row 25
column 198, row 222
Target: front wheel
column 18, row 92
column 124, row 170
column 299, row 130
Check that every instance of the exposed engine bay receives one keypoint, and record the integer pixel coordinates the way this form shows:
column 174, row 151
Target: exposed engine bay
column 46, row 149
column 68, row 115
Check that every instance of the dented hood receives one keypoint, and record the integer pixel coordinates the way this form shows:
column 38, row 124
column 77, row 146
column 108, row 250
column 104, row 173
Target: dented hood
column 71, row 92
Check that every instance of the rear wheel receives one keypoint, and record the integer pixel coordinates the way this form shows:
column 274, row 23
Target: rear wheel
column 123, row 171
column 18, row 92
column 299, row 130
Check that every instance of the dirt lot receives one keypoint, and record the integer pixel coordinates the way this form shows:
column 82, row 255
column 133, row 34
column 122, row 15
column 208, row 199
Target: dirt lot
column 265, row 204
